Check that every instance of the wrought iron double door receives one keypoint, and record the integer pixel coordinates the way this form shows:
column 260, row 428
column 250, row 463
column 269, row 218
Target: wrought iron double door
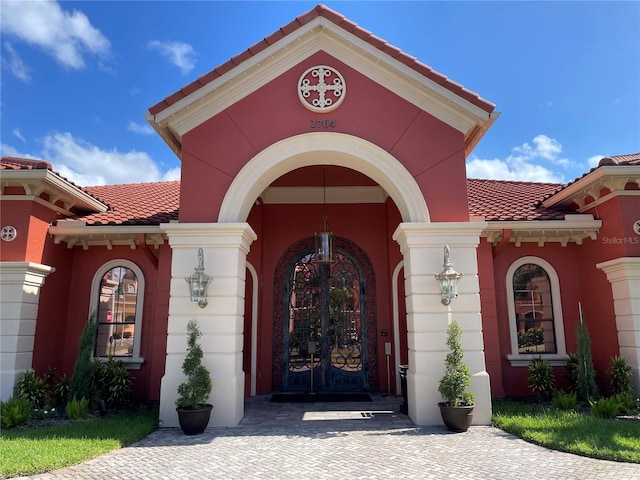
column 324, row 326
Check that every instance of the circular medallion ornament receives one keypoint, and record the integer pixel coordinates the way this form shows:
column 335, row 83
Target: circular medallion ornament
column 321, row 89
column 8, row 233
column 636, row 227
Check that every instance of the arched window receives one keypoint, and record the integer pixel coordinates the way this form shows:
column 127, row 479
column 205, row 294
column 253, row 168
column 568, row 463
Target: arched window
column 117, row 298
column 535, row 312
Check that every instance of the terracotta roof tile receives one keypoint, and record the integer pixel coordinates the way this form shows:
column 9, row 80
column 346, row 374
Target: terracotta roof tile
column 15, row 163
column 508, row 200
column 632, row 159
column 135, row 204
column 348, row 26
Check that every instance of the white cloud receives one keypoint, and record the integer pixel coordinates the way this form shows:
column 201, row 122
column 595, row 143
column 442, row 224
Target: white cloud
column 67, row 36
column 141, row 128
column 173, row 174
column 510, row 169
column 179, row 54
column 86, row 164
column 18, row 133
column 15, row 64
column 593, row 161
column 525, row 163
column 10, row 151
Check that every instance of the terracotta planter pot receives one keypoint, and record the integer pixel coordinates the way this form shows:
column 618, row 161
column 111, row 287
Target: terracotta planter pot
column 457, row 419
column 194, row 422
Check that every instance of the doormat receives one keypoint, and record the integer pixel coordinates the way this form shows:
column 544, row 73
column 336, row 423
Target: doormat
column 319, row 398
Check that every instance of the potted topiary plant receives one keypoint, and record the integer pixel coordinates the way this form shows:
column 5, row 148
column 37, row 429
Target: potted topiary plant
column 458, row 404
column 193, row 411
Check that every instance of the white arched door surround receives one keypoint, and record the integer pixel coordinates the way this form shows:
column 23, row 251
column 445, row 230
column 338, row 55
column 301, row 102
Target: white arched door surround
column 323, row 148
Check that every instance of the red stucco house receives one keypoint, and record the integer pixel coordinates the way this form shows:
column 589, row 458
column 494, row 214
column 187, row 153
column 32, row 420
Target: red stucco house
column 320, row 120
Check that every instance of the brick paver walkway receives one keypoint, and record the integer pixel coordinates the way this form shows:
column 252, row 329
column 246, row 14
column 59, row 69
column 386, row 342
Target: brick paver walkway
column 354, row 441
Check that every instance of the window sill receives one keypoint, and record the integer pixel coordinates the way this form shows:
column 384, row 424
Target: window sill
column 132, row 363
column 523, row 360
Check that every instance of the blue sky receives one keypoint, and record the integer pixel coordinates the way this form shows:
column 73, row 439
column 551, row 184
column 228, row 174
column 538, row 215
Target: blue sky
column 78, row 77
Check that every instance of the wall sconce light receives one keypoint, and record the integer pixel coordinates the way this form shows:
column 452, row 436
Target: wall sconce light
column 199, row 282
column 449, row 279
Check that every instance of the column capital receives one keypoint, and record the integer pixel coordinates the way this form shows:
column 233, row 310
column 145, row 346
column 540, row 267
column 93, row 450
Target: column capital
column 209, row 234
column 24, row 273
column 624, row 268
column 423, row 234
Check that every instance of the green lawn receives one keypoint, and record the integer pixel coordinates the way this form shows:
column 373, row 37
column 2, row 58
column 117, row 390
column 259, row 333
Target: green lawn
column 37, row 450
column 572, row 432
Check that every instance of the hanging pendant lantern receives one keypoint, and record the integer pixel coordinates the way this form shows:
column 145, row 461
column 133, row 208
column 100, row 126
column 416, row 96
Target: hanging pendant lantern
column 324, row 237
column 324, row 243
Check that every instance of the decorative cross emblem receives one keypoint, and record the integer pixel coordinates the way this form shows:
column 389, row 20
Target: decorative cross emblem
column 324, row 95
column 8, row 233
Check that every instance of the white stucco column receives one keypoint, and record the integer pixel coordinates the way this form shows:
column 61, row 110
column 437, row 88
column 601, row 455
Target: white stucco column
column 422, row 245
column 624, row 276
column 20, row 284
column 225, row 247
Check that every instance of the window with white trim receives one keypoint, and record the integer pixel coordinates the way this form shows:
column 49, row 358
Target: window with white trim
column 117, row 298
column 535, row 312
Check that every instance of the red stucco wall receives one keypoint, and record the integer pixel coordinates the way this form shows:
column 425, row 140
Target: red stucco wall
column 65, row 303
column 31, row 221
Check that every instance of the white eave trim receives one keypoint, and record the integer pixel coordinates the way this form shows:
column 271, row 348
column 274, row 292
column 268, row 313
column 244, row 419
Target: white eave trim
column 573, row 229
column 612, row 177
column 77, row 233
column 38, row 181
column 321, row 35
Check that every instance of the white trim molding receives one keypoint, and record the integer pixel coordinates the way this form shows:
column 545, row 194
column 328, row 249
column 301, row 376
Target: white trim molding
column 587, row 192
column 573, row 229
column 59, row 190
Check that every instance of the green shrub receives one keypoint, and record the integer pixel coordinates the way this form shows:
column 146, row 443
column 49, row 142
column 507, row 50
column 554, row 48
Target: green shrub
column 587, row 387
column 45, row 412
column 571, row 373
column 84, row 366
column 112, row 382
column 76, row 409
column 619, row 374
column 61, row 390
column 605, row 407
column 196, row 389
column 32, row 388
column 565, row 401
column 628, row 403
column 457, row 377
column 15, row 411
column 541, row 379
